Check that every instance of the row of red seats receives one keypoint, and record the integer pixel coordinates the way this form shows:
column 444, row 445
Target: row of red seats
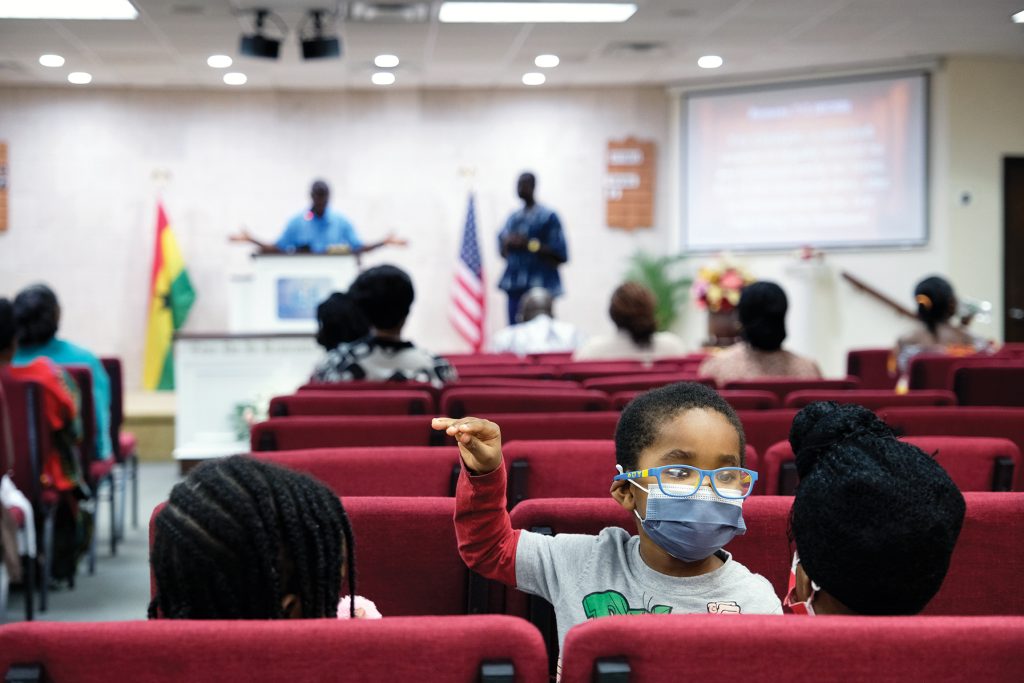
column 459, row 401
column 583, row 468
column 491, row 648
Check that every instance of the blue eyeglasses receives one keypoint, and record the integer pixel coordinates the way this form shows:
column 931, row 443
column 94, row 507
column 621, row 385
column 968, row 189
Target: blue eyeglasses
column 681, row 481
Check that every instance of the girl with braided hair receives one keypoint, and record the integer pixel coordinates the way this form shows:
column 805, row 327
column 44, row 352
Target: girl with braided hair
column 244, row 539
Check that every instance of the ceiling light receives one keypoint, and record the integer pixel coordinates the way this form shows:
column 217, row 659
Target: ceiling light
column 219, row 61
column 710, row 62
column 259, row 45
column 67, row 9
column 1018, row 18
column 546, row 61
column 318, row 46
column 51, row 60
column 79, row 77
column 383, row 78
column 535, row 12
column 385, row 61
column 235, row 78
column 534, row 78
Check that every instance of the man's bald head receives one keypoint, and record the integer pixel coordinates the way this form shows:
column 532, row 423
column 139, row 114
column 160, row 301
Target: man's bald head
column 535, row 302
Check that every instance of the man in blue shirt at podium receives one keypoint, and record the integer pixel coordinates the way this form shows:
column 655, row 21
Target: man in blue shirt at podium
column 317, row 231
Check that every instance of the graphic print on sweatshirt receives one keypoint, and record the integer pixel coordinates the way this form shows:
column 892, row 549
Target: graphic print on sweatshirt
column 613, row 603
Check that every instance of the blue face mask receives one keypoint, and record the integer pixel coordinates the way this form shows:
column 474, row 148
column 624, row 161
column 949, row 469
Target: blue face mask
column 691, row 528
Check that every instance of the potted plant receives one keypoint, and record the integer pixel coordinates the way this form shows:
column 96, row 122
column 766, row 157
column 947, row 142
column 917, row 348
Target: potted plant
column 660, row 275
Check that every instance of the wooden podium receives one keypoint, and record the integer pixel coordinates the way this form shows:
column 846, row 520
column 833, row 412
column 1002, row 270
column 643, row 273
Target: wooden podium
column 280, row 292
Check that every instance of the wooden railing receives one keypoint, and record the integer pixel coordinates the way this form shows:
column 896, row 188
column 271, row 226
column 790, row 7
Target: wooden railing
column 878, row 296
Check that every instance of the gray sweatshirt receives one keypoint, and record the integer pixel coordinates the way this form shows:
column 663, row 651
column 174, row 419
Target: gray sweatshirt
column 585, row 577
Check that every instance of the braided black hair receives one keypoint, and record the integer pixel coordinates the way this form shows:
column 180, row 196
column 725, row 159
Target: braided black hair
column 238, row 535
column 642, row 419
column 874, row 520
column 935, row 300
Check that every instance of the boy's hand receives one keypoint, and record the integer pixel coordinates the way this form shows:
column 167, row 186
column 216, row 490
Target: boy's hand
column 479, row 441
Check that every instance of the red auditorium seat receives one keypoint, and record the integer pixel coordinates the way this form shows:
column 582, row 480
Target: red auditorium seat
column 872, row 368
column 462, row 401
column 553, row 426
column 766, row 427
column 295, row 433
column 461, row 360
column 641, row 382
column 527, row 383
column 739, row 400
column 358, row 402
column 566, row 468
column 124, row 443
column 974, row 463
column 935, row 370
column 873, row 399
column 990, row 385
column 371, row 386
column 554, row 357
column 783, row 386
column 487, row 648
column 1006, row 423
column 891, row 649
column 377, row 470
column 1011, row 350
column 509, row 371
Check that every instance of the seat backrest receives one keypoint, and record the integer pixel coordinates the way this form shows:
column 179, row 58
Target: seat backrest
column 739, row 400
column 462, row 401
column 510, row 371
column 430, row 649
column 584, row 370
column 1006, row 423
column 295, row 433
column 371, row 386
column 358, row 402
column 845, row 648
column 783, row 386
column 461, row 360
column 641, row 382
column 30, row 437
column 525, row 383
column 374, row 471
column 83, row 378
column 935, row 370
column 566, row 468
column 766, row 427
column 406, row 556
column 553, row 426
column 113, row 367
column 990, row 385
column 873, row 399
column 875, row 368
column 971, row 462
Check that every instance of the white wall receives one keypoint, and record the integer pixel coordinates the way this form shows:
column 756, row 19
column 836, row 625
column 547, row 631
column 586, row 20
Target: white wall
column 82, row 197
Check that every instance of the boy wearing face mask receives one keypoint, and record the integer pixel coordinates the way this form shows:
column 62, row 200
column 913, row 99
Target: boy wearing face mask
column 664, row 440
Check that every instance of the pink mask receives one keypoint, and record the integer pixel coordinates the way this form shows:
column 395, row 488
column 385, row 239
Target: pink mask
column 791, row 603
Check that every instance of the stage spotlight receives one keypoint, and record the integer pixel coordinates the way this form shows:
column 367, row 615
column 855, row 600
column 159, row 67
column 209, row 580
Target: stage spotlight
column 318, row 46
column 259, row 45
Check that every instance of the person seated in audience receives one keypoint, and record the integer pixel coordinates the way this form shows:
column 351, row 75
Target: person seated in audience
column 37, row 317
column 339, row 321
column 680, row 453
column 874, row 520
column 536, row 330
column 762, row 316
column 244, row 539
column 636, row 337
column 384, row 294
column 936, row 307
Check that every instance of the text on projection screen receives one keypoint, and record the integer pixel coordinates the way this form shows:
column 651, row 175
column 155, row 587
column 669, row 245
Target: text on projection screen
column 840, row 164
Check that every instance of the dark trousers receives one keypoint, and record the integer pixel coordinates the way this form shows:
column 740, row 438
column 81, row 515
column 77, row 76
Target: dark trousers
column 513, row 306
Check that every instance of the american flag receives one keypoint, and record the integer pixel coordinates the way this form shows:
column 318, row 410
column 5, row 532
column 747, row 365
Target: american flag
column 468, row 293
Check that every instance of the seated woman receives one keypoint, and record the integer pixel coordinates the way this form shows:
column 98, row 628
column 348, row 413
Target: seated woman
column 636, row 336
column 244, row 539
column 37, row 315
column 936, row 306
column 384, row 294
column 875, row 520
column 762, row 313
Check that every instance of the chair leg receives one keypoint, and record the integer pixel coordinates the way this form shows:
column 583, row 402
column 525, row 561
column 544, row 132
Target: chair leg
column 112, row 483
column 29, row 566
column 95, row 531
column 134, row 459
column 44, row 589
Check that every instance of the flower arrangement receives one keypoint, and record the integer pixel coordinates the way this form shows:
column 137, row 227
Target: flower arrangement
column 718, row 287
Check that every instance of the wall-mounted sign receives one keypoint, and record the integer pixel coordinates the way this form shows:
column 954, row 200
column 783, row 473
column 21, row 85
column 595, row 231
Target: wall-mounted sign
column 629, row 184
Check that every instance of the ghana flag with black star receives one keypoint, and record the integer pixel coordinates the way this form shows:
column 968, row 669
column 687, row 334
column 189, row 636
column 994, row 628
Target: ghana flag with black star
column 170, row 299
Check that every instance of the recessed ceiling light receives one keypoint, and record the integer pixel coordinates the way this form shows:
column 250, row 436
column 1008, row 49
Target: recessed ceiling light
column 534, row 78
column 535, row 12
column 67, row 9
column 386, row 61
column 79, row 77
column 710, row 62
column 235, row 78
column 1018, row 18
column 383, row 78
column 547, row 61
column 219, row 61
column 51, row 60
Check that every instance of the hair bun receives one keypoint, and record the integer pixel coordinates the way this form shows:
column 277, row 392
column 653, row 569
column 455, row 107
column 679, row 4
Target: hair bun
column 826, row 423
